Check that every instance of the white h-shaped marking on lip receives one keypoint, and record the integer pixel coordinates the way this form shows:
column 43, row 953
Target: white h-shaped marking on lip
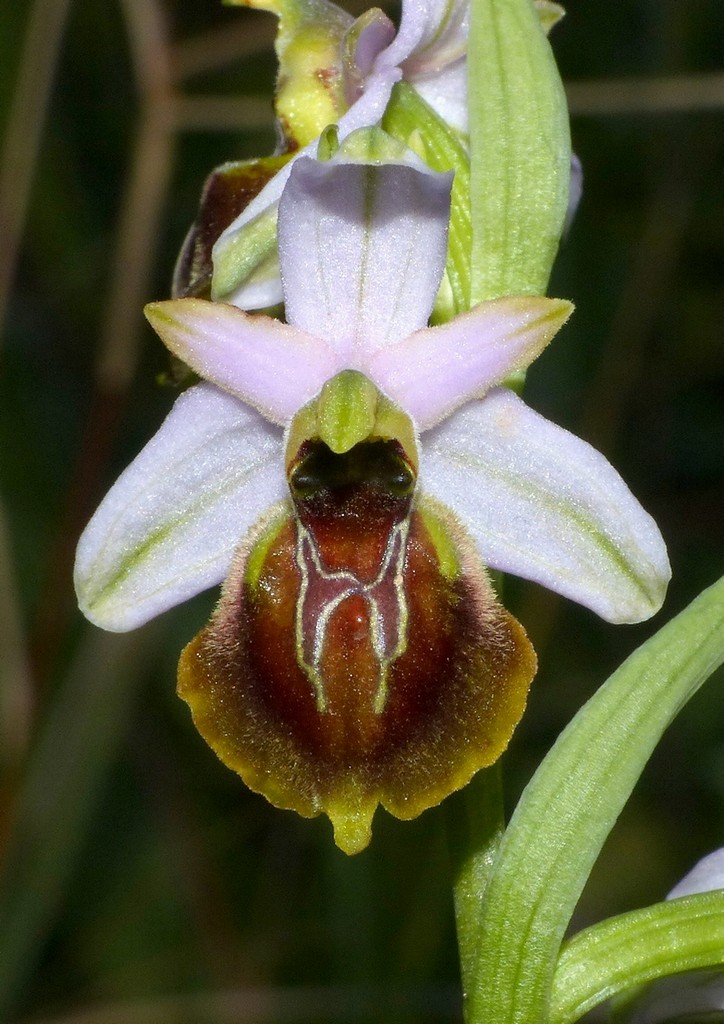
column 341, row 585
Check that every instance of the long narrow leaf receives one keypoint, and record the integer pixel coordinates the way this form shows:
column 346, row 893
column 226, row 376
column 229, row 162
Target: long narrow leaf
column 682, row 935
column 570, row 806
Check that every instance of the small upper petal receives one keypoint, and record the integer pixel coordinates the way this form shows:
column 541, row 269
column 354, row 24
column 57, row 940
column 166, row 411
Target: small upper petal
column 543, row 504
column 265, row 363
column 437, row 369
column 362, row 250
column 169, row 526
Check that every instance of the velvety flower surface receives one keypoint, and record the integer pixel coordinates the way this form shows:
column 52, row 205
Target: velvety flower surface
column 348, row 473
column 357, row 656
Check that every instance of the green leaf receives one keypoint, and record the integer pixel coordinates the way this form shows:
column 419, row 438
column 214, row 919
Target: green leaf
column 681, row 935
column 519, row 150
column 570, row 806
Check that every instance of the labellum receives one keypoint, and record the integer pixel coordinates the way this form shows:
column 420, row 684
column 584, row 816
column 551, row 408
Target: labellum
column 358, row 654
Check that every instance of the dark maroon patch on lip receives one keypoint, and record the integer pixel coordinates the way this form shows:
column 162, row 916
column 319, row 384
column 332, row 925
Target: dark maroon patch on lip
column 358, row 654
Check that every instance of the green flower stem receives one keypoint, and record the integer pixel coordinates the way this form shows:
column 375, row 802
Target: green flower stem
column 519, row 150
column 409, row 118
column 682, row 935
column 570, row 806
column 474, row 822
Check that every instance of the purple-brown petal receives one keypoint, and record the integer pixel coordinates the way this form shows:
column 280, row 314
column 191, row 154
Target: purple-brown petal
column 357, row 656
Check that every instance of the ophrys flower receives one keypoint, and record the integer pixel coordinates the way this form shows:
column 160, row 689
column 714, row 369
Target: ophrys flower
column 365, row 467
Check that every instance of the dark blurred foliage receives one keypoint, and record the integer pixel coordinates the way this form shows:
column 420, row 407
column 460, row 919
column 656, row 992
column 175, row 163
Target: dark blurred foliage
column 142, row 882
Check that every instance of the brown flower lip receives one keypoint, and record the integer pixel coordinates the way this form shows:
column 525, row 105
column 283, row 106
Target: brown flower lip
column 358, row 655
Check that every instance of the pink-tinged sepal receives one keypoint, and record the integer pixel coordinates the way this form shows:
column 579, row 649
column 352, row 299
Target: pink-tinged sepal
column 542, row 504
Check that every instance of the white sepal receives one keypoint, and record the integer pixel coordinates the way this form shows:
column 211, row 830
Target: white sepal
column 168, row 527
column 543, row 504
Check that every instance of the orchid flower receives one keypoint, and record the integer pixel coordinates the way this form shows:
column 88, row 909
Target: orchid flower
column 348, row 473
column 333, row 69
column 329, row 61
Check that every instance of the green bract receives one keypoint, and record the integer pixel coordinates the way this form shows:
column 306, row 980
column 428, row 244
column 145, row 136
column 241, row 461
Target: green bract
column 520, row 153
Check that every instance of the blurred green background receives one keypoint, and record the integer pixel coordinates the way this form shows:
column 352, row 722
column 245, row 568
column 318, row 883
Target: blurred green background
column 140, row 882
